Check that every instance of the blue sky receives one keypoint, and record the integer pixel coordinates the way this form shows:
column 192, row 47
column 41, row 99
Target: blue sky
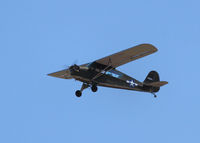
column 42, row 36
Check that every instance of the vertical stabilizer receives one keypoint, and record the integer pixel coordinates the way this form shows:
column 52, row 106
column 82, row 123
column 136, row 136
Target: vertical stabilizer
column 153, row 76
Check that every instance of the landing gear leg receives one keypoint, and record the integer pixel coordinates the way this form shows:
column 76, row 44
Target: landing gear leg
column 155, row 96
column 79, row 92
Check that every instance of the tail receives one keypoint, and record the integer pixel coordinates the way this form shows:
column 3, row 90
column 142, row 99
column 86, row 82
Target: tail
column 153, row 76
column 153, row 80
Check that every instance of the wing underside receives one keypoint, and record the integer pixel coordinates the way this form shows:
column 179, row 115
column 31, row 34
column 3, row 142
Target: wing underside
column 61, row 74
column 127, row 55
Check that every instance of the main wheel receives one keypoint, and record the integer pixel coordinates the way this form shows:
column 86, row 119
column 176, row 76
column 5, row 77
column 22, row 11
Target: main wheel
column 78, row 93
column 94, row 88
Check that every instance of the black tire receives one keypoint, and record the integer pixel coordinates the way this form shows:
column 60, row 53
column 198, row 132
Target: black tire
column 94, row 88
column 78, row 93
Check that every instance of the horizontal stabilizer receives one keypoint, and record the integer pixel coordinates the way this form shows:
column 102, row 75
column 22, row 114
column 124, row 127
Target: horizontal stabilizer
column 157, row 84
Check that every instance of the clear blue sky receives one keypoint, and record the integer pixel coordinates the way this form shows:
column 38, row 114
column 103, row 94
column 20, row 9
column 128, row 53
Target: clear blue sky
column 38, row 37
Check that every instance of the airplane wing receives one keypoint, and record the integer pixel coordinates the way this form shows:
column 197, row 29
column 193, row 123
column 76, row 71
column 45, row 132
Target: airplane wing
column 127, row 55
column 61, row 74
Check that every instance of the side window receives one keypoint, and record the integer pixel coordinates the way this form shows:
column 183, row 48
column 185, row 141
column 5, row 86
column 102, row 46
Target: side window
column 112, row 74
column 109, row 73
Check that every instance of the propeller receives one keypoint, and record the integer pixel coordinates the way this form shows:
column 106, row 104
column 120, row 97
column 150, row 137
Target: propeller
column 73, row 64
column 75, row 67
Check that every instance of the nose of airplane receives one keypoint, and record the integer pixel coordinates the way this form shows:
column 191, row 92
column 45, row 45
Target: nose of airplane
column 74, row 68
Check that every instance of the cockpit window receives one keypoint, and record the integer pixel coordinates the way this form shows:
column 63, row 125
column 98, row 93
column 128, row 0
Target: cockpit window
column 89, row 64
column 100, row 68
column 114, row 73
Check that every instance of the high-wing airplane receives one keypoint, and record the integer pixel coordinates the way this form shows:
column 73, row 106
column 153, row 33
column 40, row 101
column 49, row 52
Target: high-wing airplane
column 103, row 72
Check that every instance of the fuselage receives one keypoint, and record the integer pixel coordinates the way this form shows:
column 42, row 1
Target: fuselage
column 112, row 78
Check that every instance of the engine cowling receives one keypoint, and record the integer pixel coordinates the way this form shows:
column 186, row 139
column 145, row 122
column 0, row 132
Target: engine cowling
column 75, row 68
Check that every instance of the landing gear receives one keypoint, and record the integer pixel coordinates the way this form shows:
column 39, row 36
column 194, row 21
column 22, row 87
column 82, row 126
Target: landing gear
column 155, row 96
column 78, row 93
column 94, row 88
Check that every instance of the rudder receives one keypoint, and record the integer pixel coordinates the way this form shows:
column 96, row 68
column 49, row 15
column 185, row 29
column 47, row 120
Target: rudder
column 153, row 76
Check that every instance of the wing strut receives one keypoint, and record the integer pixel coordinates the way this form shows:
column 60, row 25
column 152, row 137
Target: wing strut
column 105, row 70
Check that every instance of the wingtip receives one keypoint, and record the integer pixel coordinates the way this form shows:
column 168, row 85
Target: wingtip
column 155, row 49
column 61, row 74
column 151, row 46
column 50, row 74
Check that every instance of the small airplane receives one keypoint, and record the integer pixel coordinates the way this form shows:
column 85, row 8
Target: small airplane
column 103, row 72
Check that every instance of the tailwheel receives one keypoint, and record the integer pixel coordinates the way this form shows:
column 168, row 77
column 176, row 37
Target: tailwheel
column 94, row 88
column 78, row 93
column 155, row 96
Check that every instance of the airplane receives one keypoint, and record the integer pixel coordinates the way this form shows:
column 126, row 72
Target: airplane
column 103, row 72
